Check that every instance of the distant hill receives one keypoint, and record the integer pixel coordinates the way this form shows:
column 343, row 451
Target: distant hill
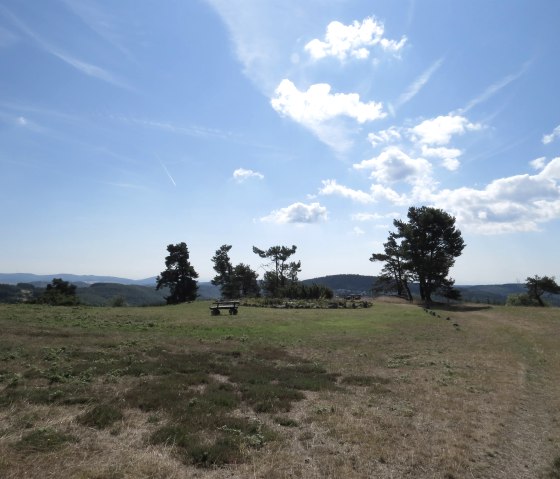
column 345, row 283
column 102, row 290
column 15, row 278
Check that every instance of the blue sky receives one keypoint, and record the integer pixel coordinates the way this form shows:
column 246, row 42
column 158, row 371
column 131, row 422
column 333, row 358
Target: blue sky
column 126, row 126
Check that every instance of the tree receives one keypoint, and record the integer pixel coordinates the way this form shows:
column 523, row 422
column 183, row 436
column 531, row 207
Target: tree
column 224, row 269
column 395, row 275
column 179, row 275
column 234, row 282
column 537, row 286
column 423, row 249
column 59, row 293
column 246, row 280
column 281, row 274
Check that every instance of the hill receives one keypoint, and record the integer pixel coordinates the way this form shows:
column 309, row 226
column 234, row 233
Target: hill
column 15, row 278
column 344, row 283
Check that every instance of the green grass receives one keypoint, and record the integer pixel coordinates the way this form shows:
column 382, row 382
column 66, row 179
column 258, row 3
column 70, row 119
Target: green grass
column 388, row 381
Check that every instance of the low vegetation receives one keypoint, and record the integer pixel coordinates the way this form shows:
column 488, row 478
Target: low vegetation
column 385, row 391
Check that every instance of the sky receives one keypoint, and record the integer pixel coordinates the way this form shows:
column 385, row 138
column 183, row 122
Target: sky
column 127, row 126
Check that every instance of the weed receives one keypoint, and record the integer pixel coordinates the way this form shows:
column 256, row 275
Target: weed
column 285, row 421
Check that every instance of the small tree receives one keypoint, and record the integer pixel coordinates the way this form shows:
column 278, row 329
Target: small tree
column 246, row 280
column 537, row 286
column 59, row 293
column 179, row 275
column 234, row 281
column 224, row 269
column 281, row 274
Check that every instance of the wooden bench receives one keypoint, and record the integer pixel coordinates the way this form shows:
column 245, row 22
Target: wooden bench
column 217, row 306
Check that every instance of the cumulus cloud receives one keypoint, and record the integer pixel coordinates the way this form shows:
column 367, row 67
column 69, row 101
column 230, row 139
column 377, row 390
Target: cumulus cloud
column 516, row 203
column 538, row 163
column 449, row 156
column 440, row 130
column 377, row 193
column 343, row 41
column 546, row 139
column 331, row 187
column 394, row 165
column 298, row 213
column 392, row 134
column 318, row 104
column 241, row 174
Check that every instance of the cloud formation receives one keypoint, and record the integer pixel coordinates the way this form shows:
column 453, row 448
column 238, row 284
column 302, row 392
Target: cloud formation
column 318, row 104
column 343, row 41
column 546, row 139
column 298, row 213
column 394, row 165
column 440, row 130
column 241, row 174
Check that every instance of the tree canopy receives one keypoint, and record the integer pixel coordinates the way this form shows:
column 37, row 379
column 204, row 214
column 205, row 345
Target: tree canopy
column 281, row 273
column 422, row 249
column 537, row 286
column 234, row 281
column 59, row 293
column 179, row 275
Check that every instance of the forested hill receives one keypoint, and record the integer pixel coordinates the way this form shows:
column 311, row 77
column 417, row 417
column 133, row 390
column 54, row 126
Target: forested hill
column 351, row 283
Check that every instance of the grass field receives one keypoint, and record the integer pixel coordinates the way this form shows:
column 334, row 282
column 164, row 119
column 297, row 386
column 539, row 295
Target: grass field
column 171, row 392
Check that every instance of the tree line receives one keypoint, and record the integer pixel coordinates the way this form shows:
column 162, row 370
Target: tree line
column 421, row 250
column 280, row 279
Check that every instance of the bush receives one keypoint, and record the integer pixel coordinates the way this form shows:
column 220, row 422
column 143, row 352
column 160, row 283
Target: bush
column 522, row 299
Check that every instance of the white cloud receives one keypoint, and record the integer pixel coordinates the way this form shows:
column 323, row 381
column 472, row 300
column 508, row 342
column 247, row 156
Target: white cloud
column 516, row 203
column 447, row 155
column 394, row 165
column 331, row 187
column 357, row 231
column 298, row 213
column 377, row 193
column 538, row 163
column 318, row 104
column 392, row 134
column 342, row 41
column 241, row 174
column 438, row 131
column 546, row 139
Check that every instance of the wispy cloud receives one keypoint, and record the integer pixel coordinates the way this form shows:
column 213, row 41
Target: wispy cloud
column 415, row 87
column 495, row 88
column 98, row 21
column 197, row 131
column 241, row 174
column 168, row 174
column 546, row 139
column 80, row 65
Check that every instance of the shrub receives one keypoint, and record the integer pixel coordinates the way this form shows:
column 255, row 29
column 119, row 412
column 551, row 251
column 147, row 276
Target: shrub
column 522, row 299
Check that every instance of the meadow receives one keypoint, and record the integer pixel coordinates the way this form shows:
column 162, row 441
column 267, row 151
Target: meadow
column 170, row 392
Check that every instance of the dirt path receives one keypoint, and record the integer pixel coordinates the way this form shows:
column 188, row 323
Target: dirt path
column 529, row 439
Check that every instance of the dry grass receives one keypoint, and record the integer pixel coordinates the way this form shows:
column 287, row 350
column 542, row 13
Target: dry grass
column 388, row 392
